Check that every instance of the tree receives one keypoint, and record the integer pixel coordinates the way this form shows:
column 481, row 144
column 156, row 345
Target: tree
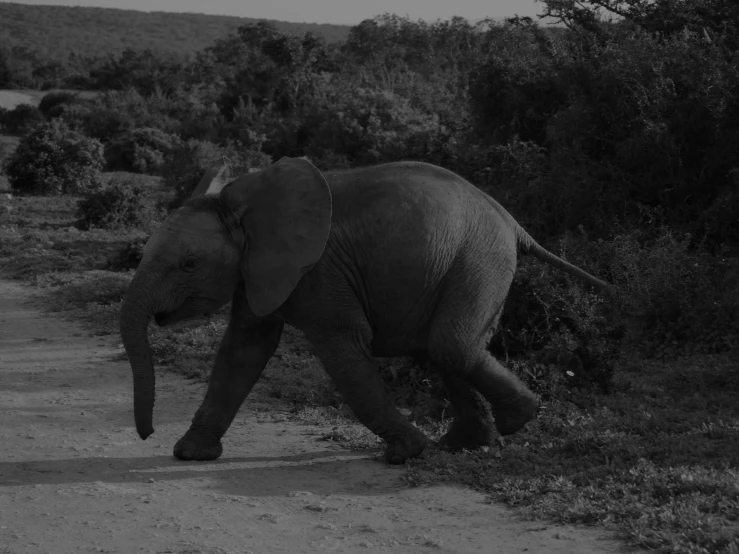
column 716, row 20
column 143, row 70
column 260, row 66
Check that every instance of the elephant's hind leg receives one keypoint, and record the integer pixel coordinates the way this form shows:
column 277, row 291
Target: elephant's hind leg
column 513, row 404
column 473, row 424
column 345, row 355
column 458, row 345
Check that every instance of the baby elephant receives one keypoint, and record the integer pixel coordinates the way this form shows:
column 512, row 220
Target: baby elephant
column 396, row 259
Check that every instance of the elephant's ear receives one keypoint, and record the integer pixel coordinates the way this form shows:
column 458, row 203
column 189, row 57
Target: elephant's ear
column 286, row 213
column 213, row 181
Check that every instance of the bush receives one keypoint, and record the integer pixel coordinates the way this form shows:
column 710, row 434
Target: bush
column 674, row 299
column 119, row 204
column 55, row 104
column 188, row 161
column 54, row 159
column 114, row 113
column 621, row 117
column 129, row 256
column 141, row 150
column 515, row 91
column 366, row 126
column 7, row 147
column 21, row 119
column 557, row 334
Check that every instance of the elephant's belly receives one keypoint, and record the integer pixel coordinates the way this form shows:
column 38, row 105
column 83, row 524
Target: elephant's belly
column 397, row 343
column 400, row 321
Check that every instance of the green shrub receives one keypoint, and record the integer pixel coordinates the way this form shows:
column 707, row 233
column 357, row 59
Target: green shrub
column 119, row 204
column 141, row 150
column 8, row 145
column 622, row 118
column 21, row 119
column 674, row 298
column 556, row 334
column 188, row 161
column 55, row 104
column 129, row 256
column 515, row 91
column 719, row 223
column 366, row 126
column 115, row 113
column 53, row 159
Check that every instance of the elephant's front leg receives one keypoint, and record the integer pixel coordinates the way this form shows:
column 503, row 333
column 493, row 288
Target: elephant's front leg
column 244, row 352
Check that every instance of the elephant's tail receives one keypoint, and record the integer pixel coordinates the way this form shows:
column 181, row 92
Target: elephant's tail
column 528, row 245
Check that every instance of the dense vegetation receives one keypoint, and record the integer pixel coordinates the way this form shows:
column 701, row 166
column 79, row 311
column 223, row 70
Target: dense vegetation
column 614, row 143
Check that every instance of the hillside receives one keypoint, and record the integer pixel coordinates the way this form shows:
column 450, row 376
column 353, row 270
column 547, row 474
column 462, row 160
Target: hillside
column 55, row 31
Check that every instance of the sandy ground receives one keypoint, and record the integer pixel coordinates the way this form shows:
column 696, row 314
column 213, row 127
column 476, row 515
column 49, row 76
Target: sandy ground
column 75, row 477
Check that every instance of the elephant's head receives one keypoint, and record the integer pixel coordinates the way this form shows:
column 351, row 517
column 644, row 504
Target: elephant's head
column 260, row 231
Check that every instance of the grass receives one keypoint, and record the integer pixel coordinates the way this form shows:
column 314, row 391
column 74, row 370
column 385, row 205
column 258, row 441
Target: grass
column 656, row 460
column 38, row 237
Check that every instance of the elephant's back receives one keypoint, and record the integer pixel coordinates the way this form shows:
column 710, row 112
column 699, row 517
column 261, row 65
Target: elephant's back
column 402, row 175
column 397, row 188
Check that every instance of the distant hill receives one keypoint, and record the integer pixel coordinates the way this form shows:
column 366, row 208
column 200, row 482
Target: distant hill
column 55, row 31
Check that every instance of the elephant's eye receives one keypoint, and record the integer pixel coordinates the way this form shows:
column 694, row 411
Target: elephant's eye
column 190, row 263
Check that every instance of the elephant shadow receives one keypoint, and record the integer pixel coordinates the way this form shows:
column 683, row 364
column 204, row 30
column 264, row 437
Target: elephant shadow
column 324, row 473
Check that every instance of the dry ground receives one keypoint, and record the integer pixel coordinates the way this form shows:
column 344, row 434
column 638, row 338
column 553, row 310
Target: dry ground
column 74, row 477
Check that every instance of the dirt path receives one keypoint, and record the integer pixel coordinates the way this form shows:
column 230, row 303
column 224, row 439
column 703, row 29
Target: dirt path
column 74, row 476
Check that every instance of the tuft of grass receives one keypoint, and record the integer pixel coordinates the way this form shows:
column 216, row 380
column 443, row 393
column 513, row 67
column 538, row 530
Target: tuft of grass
column 340, row 427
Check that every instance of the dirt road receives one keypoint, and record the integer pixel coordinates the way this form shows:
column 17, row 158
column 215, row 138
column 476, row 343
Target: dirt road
column 75, row 477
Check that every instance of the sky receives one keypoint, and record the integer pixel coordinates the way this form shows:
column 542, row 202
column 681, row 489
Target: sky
column 321, row 11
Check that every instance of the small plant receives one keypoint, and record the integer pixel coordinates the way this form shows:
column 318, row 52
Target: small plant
column 188, row 161
column 129, row 256
column 367, row 126
column 55, row 104
column 117, row 205
column 555, row 334
column 21, row 119
column 53, row 159
column 141, row 150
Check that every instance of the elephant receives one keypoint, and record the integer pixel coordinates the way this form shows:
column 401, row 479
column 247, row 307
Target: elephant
column 398, row 259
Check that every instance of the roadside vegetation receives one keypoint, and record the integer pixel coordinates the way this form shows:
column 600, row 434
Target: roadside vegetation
column 614, row 144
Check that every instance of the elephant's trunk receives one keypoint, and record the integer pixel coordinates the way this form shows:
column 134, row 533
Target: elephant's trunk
column 138, row 307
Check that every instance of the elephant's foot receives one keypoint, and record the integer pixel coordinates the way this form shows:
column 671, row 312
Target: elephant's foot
column 466, row 436
column 405, row 447
column 510, row 417
column 197, row 447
